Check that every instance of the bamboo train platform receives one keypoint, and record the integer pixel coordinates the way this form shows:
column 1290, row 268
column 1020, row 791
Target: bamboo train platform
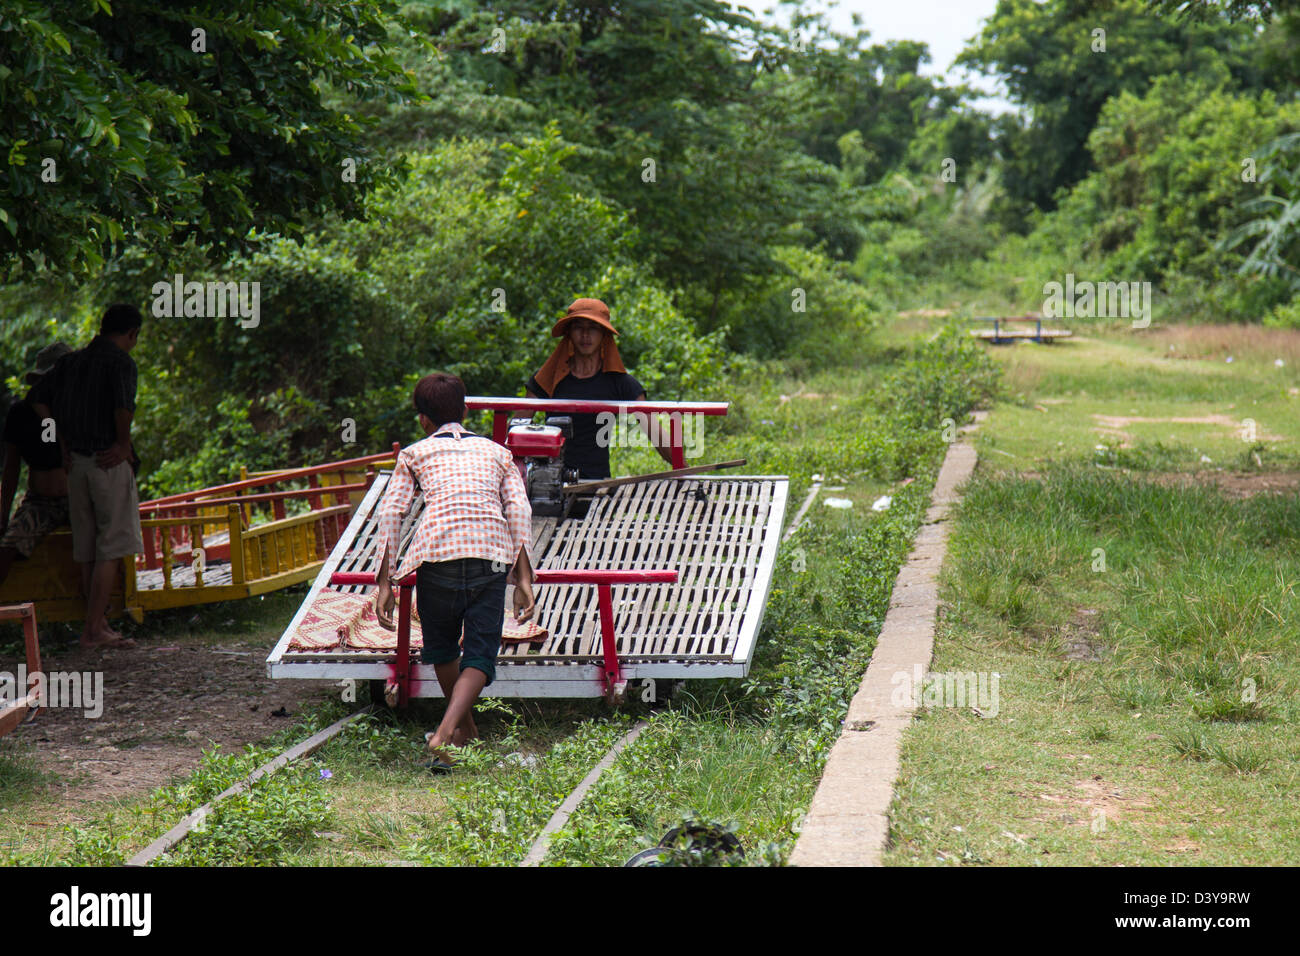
column 1000, row 334
column 719, row 534
column 249, row 537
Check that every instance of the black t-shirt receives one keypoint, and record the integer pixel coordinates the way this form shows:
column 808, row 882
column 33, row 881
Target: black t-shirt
column 581, row 451
column 84, row 390
column 23, row 428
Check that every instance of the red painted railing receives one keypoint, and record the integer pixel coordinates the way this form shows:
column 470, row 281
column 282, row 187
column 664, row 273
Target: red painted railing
column 191, row 503
column 26, row 699
column 276, row 477
column 503, row 407
column 604, row 580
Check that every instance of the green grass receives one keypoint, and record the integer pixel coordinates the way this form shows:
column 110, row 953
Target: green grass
column 1145, row 635
column 21, row 776
column 1068, row 398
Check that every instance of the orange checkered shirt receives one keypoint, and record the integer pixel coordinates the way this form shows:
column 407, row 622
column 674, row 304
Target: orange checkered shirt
column 475, row 505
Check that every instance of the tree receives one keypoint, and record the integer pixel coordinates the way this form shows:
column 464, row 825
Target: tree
column 147, row 122
column 1057, row 65
column 1276, row 228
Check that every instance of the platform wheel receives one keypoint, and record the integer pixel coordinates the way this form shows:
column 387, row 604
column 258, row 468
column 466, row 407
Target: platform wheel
column 657, row 692
column 377, row 694
column 615, row 692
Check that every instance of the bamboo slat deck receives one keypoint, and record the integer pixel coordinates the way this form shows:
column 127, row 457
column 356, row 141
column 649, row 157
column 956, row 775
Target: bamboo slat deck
column 719, row 533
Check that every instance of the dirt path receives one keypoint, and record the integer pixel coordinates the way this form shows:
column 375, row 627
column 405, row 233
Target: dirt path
column 162, row 705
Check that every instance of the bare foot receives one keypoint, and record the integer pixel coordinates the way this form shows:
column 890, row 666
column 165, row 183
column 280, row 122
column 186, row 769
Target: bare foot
column 391, row 695
column 460, row 737
column 435, row 747
column 105, row 639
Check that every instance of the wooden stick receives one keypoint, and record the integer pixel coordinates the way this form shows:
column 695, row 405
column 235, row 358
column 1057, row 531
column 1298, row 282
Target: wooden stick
column 584, row 486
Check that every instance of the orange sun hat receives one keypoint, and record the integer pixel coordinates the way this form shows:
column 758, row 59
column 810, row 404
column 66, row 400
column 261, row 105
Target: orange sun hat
column 592, row 309
column 558, row 365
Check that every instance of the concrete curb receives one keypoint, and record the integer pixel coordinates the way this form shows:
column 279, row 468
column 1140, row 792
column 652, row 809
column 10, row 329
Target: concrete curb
column 848, row 823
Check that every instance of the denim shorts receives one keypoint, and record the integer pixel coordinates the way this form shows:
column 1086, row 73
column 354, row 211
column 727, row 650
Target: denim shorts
column 465, row 593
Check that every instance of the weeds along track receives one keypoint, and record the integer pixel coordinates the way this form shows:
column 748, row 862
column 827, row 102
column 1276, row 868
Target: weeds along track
column 745, row 754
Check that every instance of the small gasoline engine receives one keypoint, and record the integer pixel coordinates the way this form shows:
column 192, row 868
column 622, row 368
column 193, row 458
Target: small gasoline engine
column 539, row 452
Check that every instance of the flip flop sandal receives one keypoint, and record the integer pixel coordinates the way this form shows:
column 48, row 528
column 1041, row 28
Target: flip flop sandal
column 437, row 766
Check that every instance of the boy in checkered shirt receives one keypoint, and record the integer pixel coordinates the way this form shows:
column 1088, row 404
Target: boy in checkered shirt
column 475, row 526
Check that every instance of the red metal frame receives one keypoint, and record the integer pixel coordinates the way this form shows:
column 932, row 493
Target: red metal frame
column 316, row 494
column 12, row 715
column 612, row 673
column 503, row 407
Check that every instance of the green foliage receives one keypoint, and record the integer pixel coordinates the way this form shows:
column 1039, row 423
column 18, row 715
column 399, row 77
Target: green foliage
column 501, row 802
column 1276, row 253
column 452, row 235
column 813, row 314
column 744, row 128
column 950, row 375
column 1044, row 53
column 218, row 395
column 1168, row 202
column 262, row 825
column 151, row 127
column 1171, row 178
column 1285, row 316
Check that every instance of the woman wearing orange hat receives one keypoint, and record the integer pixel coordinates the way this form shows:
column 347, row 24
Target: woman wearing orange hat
column 586, row 365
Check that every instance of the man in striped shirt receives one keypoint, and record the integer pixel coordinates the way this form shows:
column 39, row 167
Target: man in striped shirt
column 476, row 524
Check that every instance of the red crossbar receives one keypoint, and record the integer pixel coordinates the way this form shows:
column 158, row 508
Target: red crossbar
column 502, row 407
column 559, row 576
column 603, row 580
column 477, row 403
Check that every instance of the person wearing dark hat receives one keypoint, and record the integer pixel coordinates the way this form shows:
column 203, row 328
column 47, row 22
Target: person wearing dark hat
column 586, row 365
column 27, row 439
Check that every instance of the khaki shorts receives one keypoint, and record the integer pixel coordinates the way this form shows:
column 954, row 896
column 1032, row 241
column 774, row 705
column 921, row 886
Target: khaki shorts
column 36, row 517
column 104, row 510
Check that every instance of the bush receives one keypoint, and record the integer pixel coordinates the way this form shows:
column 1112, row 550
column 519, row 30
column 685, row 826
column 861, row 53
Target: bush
column 814, row 315
column 456, row 269
column 1286, row 316
column 1169, row 186
column 950, row 375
